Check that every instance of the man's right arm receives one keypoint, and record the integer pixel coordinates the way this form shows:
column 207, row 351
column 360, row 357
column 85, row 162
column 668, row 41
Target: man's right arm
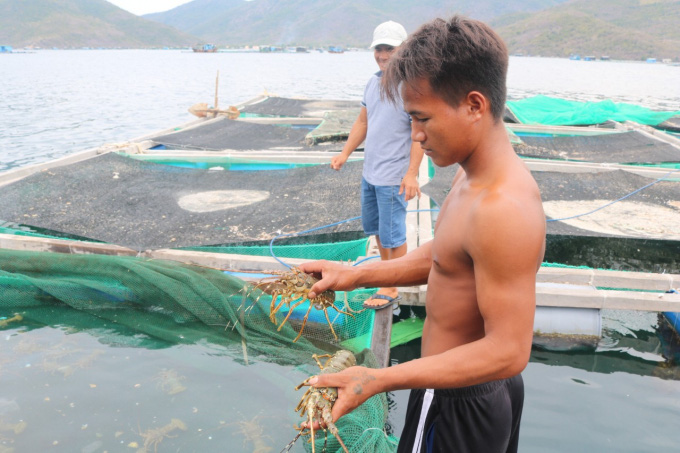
column 357, row 135
column 409, row 270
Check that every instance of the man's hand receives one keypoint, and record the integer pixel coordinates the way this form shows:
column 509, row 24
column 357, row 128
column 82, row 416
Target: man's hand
column 355, row 385
column 338, row 161
column 331, row 275
column 409, row 187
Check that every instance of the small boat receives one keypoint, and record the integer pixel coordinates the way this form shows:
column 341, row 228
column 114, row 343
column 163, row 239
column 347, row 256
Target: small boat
column 205, row 48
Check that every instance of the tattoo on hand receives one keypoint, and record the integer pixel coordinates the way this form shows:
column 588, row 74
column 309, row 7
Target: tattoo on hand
column 363, row 379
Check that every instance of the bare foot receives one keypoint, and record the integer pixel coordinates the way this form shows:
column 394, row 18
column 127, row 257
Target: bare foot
column 390, row 296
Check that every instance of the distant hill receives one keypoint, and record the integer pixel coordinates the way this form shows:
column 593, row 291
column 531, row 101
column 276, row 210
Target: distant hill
column 321, row 22
column 81, row 23
column 620, row 29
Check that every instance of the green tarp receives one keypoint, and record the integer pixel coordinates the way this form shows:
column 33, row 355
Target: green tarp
column 560, row 112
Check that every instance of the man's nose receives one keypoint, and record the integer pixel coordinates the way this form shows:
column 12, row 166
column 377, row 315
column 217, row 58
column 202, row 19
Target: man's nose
column 417, row 135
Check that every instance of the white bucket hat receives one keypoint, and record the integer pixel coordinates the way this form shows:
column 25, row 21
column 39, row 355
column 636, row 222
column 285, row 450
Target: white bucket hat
column 389, row 33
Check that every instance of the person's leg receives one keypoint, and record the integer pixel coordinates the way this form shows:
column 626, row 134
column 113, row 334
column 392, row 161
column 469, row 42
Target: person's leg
column 387, row 254
column 391, row 237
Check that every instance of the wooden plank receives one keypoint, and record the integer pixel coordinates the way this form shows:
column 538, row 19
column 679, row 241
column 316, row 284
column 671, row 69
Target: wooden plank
column 212, row 260
column 590, row 167
column 412, row 224
column 560, row 130
column 609, row 279
column 587, row 277
column 34, row 244
column 382, row 335
column 282, row 120
column 573, row 296
column 304, row 157
column 551, row 296
column 555, row 287
column 424, row 214
column 223, row 261
column 649, row 132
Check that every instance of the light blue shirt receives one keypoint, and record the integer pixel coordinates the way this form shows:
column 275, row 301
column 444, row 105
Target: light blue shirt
column 387, row 149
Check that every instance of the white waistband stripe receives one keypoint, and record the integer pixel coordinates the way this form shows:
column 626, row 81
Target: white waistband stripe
column 427, row 401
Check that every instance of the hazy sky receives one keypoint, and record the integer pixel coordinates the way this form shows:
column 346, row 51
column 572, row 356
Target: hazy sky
column 140, row 7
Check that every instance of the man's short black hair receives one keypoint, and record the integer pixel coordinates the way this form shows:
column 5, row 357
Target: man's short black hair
column 456, row 57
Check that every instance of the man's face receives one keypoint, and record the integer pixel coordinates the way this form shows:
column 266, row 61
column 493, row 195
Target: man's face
column 441, row 130
column 383, row 53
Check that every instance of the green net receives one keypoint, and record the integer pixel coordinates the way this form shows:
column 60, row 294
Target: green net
column 153, row 304
column 334, row 251
column 334, row 127
column 561, row 112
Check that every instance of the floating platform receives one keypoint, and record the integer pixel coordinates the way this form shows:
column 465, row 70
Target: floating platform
column 192, row 192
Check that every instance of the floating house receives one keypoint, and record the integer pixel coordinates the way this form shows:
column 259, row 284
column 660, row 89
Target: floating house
column 205, row 48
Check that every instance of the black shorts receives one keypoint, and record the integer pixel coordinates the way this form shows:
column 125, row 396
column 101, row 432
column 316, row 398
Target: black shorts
column 477, row 419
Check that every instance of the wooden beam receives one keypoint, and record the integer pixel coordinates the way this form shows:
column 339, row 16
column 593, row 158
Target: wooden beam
column 598, row 278
column 649, row 132
column 560, row 130
column 222, row 261
column 590, row 167
column 573, row 296
column 282, row 120
column 213, row 260
column 35, row 244
column 584, row 297
column 556, row 287
column 382, row 335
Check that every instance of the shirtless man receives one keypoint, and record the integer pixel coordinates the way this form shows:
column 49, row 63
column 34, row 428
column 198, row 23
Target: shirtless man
column 480, row 268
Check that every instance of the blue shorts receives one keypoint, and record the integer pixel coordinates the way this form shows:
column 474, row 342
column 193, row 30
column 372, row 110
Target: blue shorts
column 383, row 213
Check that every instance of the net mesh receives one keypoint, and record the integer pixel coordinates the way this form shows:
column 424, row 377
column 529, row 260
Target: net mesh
column 166, row 302
column 561, row 112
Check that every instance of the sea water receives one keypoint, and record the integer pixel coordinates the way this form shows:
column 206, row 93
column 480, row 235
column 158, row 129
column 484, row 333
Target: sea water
column 621, row 396
column 55, row 102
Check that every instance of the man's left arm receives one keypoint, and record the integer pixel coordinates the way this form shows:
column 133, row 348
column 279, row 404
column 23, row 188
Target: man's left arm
column 409, row 183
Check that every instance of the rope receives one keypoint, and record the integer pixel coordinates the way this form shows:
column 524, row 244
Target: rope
column 616, row 201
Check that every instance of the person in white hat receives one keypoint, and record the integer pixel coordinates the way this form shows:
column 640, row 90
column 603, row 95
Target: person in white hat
column 391, row 161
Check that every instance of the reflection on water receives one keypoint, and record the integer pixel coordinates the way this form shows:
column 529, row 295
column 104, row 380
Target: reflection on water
column 67, row 389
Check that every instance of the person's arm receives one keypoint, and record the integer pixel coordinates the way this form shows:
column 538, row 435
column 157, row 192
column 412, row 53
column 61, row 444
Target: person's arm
column 408, row 270
column 409, row 184
column 505, row 248
column 356, row 137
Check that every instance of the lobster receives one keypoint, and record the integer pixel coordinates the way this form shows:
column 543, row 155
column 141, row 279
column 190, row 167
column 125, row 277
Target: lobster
column 291, row 288
column 316, row 403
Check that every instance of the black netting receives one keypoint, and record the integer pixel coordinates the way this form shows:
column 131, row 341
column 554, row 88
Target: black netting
column 626, row 147
column 145, row 205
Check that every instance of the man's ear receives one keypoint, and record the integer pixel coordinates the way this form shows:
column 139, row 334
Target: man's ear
column 477, row 103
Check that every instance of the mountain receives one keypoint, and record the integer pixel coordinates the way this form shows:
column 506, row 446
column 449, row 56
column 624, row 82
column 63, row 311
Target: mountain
column 321, row 22
column 620, row 29
column 81, row 23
